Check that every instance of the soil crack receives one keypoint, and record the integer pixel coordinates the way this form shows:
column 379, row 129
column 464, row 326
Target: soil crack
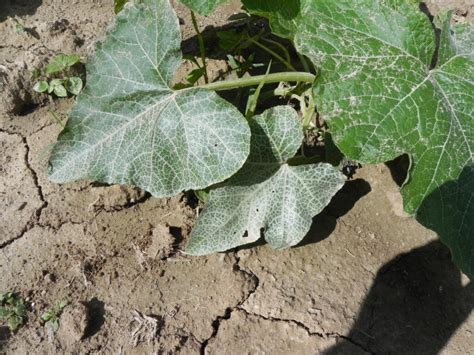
column 228, row 312
column 307, row 329
column 30, row 224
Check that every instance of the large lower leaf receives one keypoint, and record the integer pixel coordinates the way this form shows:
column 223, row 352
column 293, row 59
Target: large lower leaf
column 267, row 194
column 382, row 99
column 128, row 126
column 449, row 210
column 203, row 7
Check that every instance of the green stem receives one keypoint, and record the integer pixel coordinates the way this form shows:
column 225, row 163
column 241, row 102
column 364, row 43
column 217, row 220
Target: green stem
column 256, row 80
column 273, row 53
column 303, row 62
column 202, row 48
column 281, row 46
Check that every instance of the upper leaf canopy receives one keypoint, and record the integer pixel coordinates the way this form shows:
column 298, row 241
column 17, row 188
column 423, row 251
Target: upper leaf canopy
column 267, row 194
column 129, row 126
column 382, row 99
column 284, row 16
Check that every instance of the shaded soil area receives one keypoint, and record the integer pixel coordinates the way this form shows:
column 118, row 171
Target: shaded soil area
column 367, row 279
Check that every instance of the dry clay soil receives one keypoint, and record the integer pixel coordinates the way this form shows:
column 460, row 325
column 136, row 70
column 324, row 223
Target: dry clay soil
column 367, row 279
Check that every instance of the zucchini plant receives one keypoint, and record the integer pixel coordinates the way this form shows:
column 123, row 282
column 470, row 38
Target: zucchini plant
column 385, row 79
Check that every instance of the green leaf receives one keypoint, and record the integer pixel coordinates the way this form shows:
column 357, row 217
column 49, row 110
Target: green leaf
column 47, row 315
column 448, row 210
column 20, row 308
column 202, row 195
column 181, row 86
column 5, row 296
column 61, row 62
column 57, row 86
column 128, row 126
column 55, row 325
column 267, row 194
column 203, row 7
column 229, row 39
column 60, row 91
column 4, row 312
column 195, row 75
column 119, row 4
column 19, row 28
column 41, row 86
column 55, row 82
column 382, row 99
column 233, row 62
column 61, row 304
column 74, row 85
column 285, row 16
column 14, row 323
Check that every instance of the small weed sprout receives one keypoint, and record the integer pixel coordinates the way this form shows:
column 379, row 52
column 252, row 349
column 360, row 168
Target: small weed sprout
column 12, row 310
column 51, row 316
column 57, row 79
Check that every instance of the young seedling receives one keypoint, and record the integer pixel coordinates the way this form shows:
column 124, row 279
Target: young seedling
column 56, row 77
column 51, row 316
column 19, row 28
column 12, row 310
column 384, row 80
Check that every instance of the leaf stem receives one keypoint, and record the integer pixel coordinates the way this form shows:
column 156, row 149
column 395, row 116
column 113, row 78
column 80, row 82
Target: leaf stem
column 202, row 48
column 303, row 62
column 256, row 80
column 281, row 46
column 273, row 53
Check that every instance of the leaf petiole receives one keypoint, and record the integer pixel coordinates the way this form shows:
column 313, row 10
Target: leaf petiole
column 256, row 80
column 273, row 53
column 202, row 48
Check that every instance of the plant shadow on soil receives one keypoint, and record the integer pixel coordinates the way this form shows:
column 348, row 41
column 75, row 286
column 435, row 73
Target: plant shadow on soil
column 417, row 300
column 415, row 305
column 96, row 316
column 344, row 200
column 18, row 8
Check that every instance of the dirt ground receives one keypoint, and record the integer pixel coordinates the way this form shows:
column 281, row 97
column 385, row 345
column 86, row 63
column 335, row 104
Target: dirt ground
column 367, row 279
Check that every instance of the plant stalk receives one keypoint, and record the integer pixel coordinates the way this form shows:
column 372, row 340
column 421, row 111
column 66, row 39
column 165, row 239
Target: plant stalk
column 256, row 80
column 202, row 48
column 273, row 53
column 303, row 62
column 281, row 46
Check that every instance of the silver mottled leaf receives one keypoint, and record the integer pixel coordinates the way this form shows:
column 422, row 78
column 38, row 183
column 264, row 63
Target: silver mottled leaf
column 267, row 194
column 129, row 127
column 203, row 7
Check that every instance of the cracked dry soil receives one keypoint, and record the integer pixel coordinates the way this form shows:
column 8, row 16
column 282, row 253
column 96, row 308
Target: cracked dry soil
column 367, row 279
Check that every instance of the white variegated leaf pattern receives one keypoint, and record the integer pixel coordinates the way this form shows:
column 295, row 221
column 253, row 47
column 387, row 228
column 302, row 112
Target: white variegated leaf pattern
column 203, row 7
column 267, row 195
column 128, row 126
